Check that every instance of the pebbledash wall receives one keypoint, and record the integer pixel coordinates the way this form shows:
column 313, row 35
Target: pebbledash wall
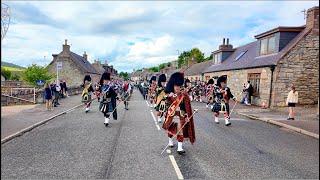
column 301, row 68
column 236, row 79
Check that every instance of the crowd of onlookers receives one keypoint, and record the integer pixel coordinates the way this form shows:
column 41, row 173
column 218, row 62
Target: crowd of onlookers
column 53, row 92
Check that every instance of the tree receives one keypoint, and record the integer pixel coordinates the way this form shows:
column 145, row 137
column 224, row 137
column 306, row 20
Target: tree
column 15, row 77
column 154, row 69
column 183, row 58
column 6, row 73
column 124, row 75
column 209, row 58
column 197, row 55
column 34, row 73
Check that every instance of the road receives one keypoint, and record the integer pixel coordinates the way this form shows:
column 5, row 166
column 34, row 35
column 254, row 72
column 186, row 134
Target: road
column 78, row 145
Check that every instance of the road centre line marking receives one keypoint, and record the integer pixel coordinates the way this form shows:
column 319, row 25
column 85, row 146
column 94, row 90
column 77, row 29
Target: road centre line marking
column 154, row 119
column 175, row 166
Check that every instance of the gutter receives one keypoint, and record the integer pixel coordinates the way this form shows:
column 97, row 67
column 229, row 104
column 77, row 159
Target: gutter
column 271, row 82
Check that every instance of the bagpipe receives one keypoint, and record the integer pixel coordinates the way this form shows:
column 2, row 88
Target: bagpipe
column 171, row 112
column 161, row 102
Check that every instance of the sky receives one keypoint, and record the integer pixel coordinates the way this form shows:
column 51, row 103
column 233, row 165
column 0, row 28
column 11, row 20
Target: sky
column 134, row 34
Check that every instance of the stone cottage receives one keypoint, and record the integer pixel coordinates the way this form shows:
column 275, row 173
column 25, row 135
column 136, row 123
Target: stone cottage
column 195, row 71
column 74, row 67
column 278, row 58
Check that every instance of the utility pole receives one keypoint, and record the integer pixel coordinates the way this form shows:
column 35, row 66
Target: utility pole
column 304, row 13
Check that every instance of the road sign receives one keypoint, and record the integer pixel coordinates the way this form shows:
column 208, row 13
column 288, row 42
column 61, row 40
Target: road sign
column 40, row 82
column 59, row 65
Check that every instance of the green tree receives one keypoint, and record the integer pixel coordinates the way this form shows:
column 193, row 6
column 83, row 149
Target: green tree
column 6, row 73
column 34, row 73
column 154, row 69
column 124, row 75
column 183, row 58
column 15, row 77
column 209, row 58
column 197, row 55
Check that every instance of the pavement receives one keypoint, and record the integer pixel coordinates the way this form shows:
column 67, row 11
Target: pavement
column 16, row 118
column 306, row 117
column 78, row 145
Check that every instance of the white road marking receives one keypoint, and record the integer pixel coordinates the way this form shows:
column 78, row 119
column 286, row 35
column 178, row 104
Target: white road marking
column 175, row 166
column 168, row 151
column 155, row 120
column 147, row 103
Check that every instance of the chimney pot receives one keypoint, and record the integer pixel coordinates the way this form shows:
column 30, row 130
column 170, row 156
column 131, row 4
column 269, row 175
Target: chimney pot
column 223, row 41
column 227, row 41
column 65, row 42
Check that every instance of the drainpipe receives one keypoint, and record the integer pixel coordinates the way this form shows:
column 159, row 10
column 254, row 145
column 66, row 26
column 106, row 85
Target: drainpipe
column 271, row 82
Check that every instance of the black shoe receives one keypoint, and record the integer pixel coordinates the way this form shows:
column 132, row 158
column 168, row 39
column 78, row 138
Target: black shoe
column 171, row 146
column 106, row 124
column 55, row 106
column 58, row 103
column 181, row 152
column 228, row 124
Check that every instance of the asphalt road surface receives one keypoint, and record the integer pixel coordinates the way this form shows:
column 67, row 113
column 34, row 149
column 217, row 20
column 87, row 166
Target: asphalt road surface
column 78, row 145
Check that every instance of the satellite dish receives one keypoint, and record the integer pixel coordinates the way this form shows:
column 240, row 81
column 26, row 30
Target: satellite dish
column 5, row 19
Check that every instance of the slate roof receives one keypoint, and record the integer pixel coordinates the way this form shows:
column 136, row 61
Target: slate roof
column 251, row 58
column 83, row 63
column 198, row 68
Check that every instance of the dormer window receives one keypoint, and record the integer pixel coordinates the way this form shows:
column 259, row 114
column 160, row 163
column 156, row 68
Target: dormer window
column 268, row 45
column 217, row 58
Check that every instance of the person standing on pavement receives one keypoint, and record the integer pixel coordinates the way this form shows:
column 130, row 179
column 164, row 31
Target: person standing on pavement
column 179, row 116
column 87, row 92
column 249, row 89
column 291, row 102
column 108, row 98
column 48, row 96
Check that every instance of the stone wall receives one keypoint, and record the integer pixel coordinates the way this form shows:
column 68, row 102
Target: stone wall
column 236, row 78
column 301, row 68
column 194, row 77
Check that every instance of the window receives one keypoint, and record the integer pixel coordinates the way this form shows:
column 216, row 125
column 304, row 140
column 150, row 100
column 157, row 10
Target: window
column 271, row 45
column 268, row 45
column 217, row 58
column 240, row 55
column 254, row 79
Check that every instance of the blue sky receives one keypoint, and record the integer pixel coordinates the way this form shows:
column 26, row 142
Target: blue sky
column 131, row 35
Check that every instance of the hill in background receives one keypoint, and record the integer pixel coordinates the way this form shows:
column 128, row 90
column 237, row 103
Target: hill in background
column 11, row 66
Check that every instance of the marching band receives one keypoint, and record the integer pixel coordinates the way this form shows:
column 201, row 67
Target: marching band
column 171, row 101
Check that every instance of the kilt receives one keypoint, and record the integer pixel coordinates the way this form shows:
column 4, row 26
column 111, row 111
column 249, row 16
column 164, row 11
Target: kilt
column 217, row 107
column 106, row 107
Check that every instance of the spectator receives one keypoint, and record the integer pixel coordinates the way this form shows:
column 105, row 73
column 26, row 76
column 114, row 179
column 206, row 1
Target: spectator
column 249, row 89
column 65, row 88
column 291, row 102
column 61, row 89
column 48, row 96
column 245, row 95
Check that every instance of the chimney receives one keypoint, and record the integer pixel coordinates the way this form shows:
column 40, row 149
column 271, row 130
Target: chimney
column 66, row 47
column 313, row 18
column 54, row 56
column 85, row 56
column 224, row 46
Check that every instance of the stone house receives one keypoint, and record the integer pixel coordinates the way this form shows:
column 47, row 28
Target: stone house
column 74, row 67
column 101, row 68
column 195, row 71
column 278, row 58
